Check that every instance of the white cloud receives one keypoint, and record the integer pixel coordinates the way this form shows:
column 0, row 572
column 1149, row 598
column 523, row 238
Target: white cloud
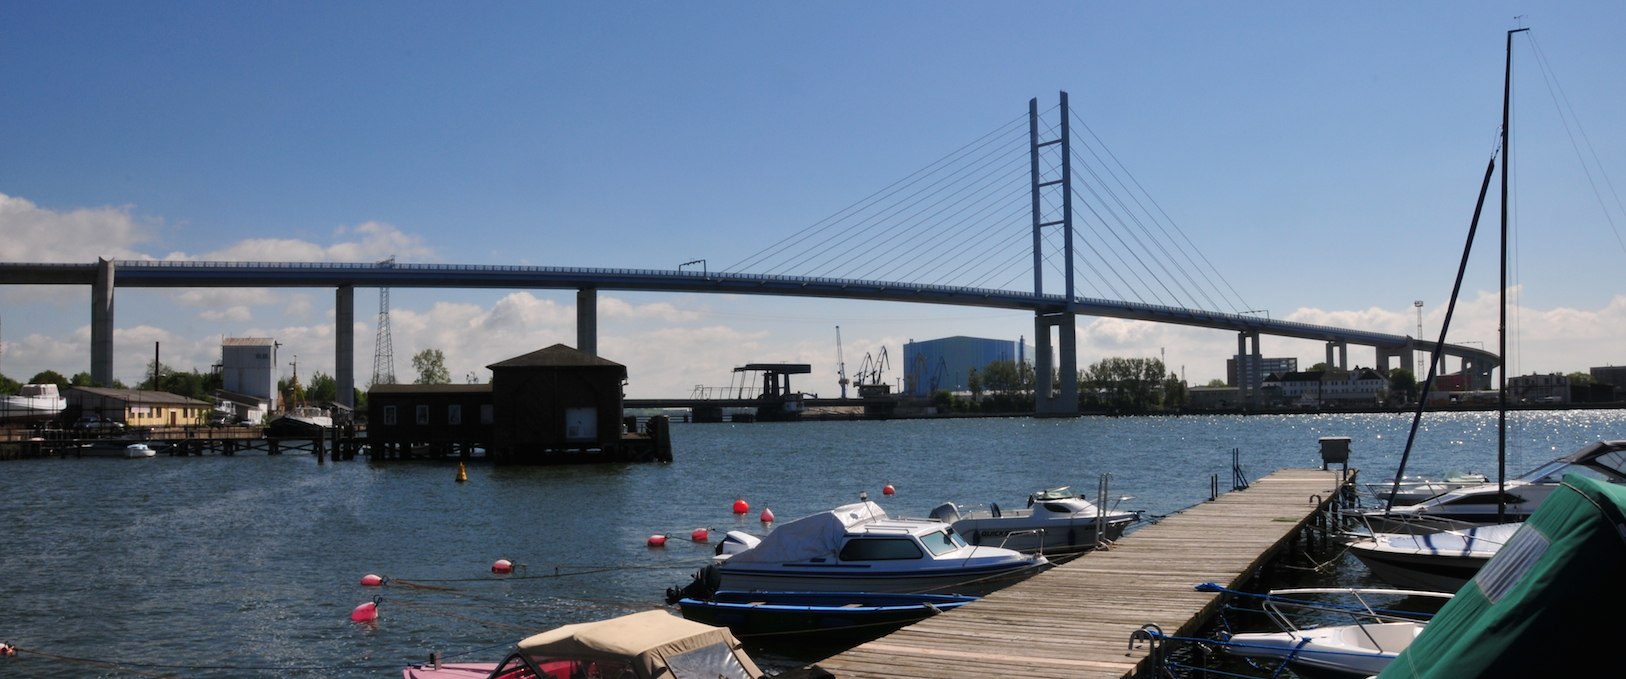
column 36, row 234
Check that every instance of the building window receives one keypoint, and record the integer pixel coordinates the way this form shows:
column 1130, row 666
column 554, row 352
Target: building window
column 423, row 414
column 389, row 415
column 454, row 414
column 485, row 413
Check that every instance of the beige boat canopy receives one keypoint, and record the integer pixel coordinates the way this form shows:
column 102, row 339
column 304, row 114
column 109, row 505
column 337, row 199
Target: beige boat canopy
column 653, row 644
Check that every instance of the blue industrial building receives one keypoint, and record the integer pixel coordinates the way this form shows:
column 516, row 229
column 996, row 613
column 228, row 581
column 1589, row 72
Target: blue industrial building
column 933, row 365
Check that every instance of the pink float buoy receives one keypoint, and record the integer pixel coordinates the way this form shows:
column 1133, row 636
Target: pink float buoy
column 767, row 515
column 700, row 535
column 656, row 541
column 741, row 506
column 366, row 612
column 502, row 566
column 370, row 580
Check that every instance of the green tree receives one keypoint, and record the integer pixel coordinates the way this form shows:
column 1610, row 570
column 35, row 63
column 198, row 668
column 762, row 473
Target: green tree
column 9, row 386
column 1403, row 382
column 1216, row 382
column 49, row 377
column 1128, row 384
column 431, row 367
column 82, row 379
column 1580, row 379
column 323, row 387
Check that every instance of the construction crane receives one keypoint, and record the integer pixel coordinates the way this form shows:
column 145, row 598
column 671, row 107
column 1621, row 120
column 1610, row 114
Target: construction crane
column 841, row 364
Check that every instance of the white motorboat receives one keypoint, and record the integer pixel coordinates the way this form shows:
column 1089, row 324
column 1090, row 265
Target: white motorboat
column 117, row 448
column 858, row 548
column 1412, row 489
column 1441, row 561
column 1477, row 504
column 1055, row 521
column 1365, row 642
column 33, row 403
column 304, row 420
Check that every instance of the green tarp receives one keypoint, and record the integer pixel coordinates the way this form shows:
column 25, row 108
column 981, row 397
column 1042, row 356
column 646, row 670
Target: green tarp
column 1551, row 603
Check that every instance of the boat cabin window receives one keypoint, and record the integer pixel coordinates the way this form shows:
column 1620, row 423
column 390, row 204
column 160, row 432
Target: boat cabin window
column 1615, row 461
column 1057, row 507
column 942, row 542
column 1484, row 499
column 879, row 549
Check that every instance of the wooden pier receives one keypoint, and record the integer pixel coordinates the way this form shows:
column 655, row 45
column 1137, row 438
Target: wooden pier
column 1076, row 620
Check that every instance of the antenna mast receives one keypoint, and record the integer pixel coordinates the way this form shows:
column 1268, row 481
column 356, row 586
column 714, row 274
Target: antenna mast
column 383, row 346
column 841, row 364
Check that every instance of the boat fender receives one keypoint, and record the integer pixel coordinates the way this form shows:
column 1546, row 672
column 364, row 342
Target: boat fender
column 502, row 566
column 371, row 580
column 366, row 612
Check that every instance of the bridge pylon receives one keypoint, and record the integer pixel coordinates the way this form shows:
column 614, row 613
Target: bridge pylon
column 1053, row 399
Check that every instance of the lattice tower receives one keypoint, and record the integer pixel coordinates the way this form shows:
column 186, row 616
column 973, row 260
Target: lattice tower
column 383, row 346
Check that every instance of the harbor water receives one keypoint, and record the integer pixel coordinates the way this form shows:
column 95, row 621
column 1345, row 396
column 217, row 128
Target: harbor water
column 251, row 565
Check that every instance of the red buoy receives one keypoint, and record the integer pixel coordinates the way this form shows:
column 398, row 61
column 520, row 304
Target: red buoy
column 888, row 489
column 767, row 515
column 370, row 580
column 366, row 612
column 700, row 535
column 657, row 541
column 741, row 507
column 502, row 566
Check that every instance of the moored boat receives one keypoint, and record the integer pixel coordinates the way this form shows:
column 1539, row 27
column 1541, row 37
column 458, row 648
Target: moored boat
column 1522, row 496
column 1441, row 561
column 1332, row 632
column 1055, row 521
column 302, row 420
column 33, row 403
column 648, row 645
column 858, row 548
column 117, row 448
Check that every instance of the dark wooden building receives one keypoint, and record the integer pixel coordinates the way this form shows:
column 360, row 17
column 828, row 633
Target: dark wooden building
column 428, row 420
column 551, row 406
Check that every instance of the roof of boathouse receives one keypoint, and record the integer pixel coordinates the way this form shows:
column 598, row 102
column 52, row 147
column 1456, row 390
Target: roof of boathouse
column 557, row 356
column 135, row 396
column 429, row 388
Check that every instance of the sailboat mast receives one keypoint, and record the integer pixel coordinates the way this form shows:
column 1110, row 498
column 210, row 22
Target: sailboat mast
column 1501, row 330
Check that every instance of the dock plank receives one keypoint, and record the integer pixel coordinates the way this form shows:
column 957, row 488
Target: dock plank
column 1075, row 620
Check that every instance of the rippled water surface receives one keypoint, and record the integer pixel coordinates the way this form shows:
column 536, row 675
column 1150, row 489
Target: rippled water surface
column 249, row 565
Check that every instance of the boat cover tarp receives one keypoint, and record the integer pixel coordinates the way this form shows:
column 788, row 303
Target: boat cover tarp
column 1549, row 604
column 810, row 537
column 650, row 640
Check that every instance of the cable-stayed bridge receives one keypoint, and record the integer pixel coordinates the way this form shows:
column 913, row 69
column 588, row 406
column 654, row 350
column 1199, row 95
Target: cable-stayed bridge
column 1031, row 200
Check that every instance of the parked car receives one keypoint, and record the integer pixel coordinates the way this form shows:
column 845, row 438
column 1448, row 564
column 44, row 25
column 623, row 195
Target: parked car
column 97, row 422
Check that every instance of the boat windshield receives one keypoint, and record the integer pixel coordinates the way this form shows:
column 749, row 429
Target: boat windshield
column 1554, row 471
column 942, row 542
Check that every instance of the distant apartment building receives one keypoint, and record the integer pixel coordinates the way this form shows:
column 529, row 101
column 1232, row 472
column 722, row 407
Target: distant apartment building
column 1360, row 386
column 1549, row 388
column 1614, row 376
column 1259, row 367
column 946, row 364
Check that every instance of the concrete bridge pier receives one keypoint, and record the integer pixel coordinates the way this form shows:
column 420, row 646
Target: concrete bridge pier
column 1248, row 363
column 1342, row 350
column 1048, row 399
column 1401, row 355
column 344, row 347
column 101, row 324
column 587, row 320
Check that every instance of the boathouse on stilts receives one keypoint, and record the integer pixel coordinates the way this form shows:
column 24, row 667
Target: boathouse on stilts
column 556, row 405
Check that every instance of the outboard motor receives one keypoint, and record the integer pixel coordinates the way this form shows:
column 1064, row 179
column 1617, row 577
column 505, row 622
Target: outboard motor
column 946, row 512
column 735, row 542
column 706, row 581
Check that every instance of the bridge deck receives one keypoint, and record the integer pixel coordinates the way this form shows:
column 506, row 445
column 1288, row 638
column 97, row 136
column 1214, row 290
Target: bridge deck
column 1075, row 620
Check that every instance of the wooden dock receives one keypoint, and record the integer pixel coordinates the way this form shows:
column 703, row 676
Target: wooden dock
column 1076, row 620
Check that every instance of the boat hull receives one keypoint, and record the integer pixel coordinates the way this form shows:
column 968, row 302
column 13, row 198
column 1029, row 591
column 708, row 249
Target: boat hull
column 1439, row 562
column 826, row 617
column 1340, row 651
column 799, row 577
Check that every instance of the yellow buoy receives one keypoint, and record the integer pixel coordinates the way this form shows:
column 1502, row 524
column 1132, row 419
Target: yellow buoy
column 462, row 474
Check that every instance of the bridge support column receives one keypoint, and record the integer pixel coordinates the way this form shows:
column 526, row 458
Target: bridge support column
column 587, row 320
column 344, row 345
column 1249, row 363
column 1388, row 355
column 1050, row 399
column 101, row 325
column 1338, row 355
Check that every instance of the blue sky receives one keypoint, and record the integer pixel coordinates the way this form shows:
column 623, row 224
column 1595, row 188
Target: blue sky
column 1324, row 157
